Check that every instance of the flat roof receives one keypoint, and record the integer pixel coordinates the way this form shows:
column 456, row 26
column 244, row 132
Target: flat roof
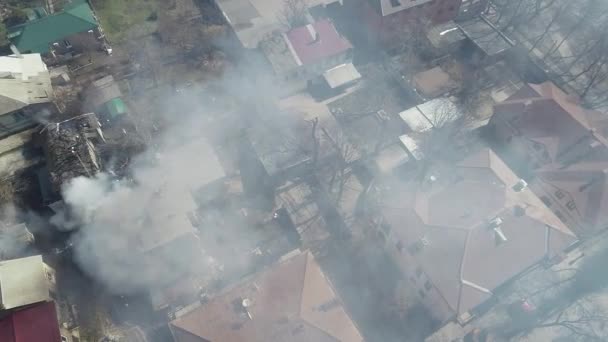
column 443, row 35
column 252, row 20
column 388, row 7
column 23, row 282
column 415, row 120
column 433, row 82
column 411, row 145
column 341, row 75
column 484, row 36
column 23, row 81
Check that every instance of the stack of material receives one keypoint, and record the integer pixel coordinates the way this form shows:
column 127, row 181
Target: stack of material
column 70, row 149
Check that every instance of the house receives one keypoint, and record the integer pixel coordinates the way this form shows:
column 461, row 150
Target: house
column 310, row 51
column 560, row 148
column 165, row 235
column 385, row 19
column 35, row 323
column 25, row 281
column 290, row 301
column 467, row 230
column 25, row 92
column 71, row 30
column 104, row 98
column 472, row 8
column 254, row 20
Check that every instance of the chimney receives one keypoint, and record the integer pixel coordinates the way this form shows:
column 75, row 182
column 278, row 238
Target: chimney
column 16, row 51
column 313, row 33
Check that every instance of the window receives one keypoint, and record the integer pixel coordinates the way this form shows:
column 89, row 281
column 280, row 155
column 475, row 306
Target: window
column 399, row 246
column 452, row 8
column 418, row 271
column 559, row 194
column 421, row 293
column 570, row 205
column 427, row 285
column 560, row 216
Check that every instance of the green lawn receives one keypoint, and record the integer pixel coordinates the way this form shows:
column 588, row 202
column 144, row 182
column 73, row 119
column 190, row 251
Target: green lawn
column 121, row 17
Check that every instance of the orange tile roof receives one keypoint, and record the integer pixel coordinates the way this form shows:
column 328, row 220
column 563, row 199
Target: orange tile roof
column 567, row 142
column 292, row 301
column 463, row 258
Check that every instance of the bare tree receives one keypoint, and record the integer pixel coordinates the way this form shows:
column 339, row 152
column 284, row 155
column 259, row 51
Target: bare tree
column 293, row 13
column 584, row 320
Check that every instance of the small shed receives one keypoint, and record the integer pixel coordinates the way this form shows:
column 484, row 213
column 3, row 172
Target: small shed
column 433, row 83
column 104, row 98
column 341, row 75
column 24, row 281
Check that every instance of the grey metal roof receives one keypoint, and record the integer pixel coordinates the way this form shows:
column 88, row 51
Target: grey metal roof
column 23, row 281
column 102, row 91
column 485, row 36
column 23, row 81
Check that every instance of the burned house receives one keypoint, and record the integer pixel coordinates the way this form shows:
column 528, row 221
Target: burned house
column 290, row 301
column 71, row 150
column 560, row 148
column 467, row 230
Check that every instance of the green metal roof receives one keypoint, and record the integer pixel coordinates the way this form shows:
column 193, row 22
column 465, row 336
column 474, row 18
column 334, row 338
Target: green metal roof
column 36, row 35
column 116, row 107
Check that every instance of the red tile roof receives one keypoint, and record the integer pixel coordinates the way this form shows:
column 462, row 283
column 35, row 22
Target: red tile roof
column 315, row 42
column 290, row 302
column 37, row 323
column 462, row 257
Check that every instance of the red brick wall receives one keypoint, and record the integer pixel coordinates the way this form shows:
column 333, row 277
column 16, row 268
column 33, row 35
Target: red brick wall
column 383, row 28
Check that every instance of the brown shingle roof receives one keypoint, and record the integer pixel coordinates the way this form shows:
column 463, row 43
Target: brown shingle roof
column 290, row 302
column 567, row 142
column 463, row 258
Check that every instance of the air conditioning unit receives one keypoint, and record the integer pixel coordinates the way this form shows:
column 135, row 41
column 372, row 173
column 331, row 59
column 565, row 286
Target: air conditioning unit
column 521, row 185
column 424, row 241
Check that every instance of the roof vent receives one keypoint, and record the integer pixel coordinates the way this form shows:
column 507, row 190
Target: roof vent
column 499, row 236
column 495, row 223
column 424, row 241
column 246, row 303
column 519, row 211
column 520, row 185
